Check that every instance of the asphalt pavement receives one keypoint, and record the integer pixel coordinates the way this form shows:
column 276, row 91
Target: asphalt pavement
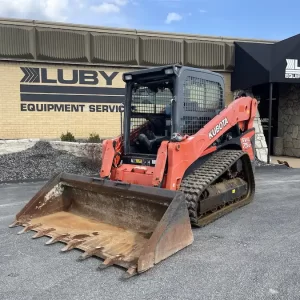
column 252, row 253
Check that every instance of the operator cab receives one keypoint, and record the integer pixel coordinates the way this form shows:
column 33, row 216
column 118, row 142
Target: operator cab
column 151, row 115
column 163, row 101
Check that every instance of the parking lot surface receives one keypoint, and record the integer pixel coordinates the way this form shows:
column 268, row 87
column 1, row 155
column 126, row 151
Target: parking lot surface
column 251, row 253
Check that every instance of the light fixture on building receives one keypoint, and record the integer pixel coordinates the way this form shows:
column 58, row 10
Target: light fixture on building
column 128, row 77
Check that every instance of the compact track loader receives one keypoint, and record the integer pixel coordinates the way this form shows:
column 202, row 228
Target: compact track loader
column 183, row 159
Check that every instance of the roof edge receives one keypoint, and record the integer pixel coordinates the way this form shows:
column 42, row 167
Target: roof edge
column 73, row 26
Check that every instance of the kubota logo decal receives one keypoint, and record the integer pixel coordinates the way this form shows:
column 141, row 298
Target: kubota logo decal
column 218, row 128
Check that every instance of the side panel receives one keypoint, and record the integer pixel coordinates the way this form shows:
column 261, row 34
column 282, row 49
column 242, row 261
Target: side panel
column 254, row 149
column 246, row 143
column 200, row 96
column 107, row 158
column 243, row 142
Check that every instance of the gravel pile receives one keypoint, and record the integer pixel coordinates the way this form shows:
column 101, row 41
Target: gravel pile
column 41, row 162
column 260, row 163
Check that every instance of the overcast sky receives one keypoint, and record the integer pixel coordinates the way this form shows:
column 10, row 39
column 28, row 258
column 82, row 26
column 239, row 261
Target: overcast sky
column 264, row 19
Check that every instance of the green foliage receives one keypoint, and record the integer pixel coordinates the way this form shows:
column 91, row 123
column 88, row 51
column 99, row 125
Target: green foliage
column 68, row 137
column 94, row 138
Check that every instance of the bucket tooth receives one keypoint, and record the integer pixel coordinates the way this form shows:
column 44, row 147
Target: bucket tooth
column 43, row 232
column 109, row 262
column 15, row 224
column 90, row 253
column 29, row 227
column 71, row 245
column 132, row 271
column 56, row 239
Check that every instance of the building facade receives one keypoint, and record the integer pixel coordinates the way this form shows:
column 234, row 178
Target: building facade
column 273, row 77
column 56, row 78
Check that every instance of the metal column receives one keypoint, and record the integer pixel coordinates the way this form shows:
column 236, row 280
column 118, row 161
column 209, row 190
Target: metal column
column 270, row 121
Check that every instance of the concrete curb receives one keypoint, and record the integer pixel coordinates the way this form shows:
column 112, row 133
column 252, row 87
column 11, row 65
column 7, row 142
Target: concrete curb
column 24, row 181
column 33, row 180
column 273, row 167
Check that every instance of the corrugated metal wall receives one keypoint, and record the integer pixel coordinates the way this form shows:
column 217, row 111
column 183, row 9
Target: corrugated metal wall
column 68, row 43
column 118, row 49
column 61, row 45
column 16, row 42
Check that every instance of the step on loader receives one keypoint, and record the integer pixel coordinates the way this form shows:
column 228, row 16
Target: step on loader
column 182, row 160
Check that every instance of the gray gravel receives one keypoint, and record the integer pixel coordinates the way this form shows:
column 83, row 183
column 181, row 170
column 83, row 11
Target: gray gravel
column 260, row 163
column 42, row 161
column 250, row 254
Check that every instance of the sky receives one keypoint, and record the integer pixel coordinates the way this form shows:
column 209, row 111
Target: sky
column 257, row 19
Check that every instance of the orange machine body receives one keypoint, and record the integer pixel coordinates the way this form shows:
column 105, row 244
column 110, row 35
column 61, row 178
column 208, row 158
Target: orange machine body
column 176, row 157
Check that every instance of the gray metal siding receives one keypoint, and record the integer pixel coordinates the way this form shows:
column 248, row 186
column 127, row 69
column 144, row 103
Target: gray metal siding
column 15, row 42
column 54, row 42
column 204, row 54
column 156, row 51
column 61, row 45
column 108, row 48
column 229, row 57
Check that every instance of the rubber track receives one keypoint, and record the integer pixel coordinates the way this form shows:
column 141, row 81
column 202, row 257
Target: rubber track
column 196, row 183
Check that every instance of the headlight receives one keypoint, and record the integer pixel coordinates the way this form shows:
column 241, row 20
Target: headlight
column 169, row 71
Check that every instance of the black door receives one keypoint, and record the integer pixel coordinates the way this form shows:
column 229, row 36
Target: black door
column 262, row 94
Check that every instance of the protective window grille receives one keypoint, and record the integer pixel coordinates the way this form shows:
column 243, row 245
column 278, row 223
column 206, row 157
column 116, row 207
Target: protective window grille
column 203, row 97
column 136, row 122
column 145, row 101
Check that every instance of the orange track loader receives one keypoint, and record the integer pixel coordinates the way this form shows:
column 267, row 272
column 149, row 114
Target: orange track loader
column 183, row 159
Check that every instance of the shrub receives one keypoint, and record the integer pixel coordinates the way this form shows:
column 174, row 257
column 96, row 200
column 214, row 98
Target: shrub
column 94, row 138
column 68, row 137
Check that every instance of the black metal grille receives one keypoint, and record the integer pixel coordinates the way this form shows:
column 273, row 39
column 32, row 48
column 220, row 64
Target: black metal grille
column 191, row 124
column 204, row 97
column 136, row 122
column 146, row 101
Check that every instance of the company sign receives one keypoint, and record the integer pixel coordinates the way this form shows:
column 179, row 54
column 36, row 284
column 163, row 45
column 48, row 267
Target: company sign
column 84, row 90
column 292, row 69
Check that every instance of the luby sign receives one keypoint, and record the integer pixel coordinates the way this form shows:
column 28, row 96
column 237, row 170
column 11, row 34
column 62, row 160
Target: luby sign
column 292, row 69
column 69, row 91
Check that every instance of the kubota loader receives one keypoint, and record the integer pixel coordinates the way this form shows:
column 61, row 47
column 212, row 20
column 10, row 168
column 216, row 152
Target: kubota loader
column 183, row 159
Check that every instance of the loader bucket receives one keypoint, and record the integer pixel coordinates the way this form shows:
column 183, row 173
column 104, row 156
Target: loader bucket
column 128, row 225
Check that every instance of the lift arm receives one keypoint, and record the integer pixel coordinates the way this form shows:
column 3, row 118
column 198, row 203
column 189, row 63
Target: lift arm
column 182, row 154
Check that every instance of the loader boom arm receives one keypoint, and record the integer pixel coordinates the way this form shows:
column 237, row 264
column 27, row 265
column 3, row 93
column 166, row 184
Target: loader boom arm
column 182, row 154
column 242, row 110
